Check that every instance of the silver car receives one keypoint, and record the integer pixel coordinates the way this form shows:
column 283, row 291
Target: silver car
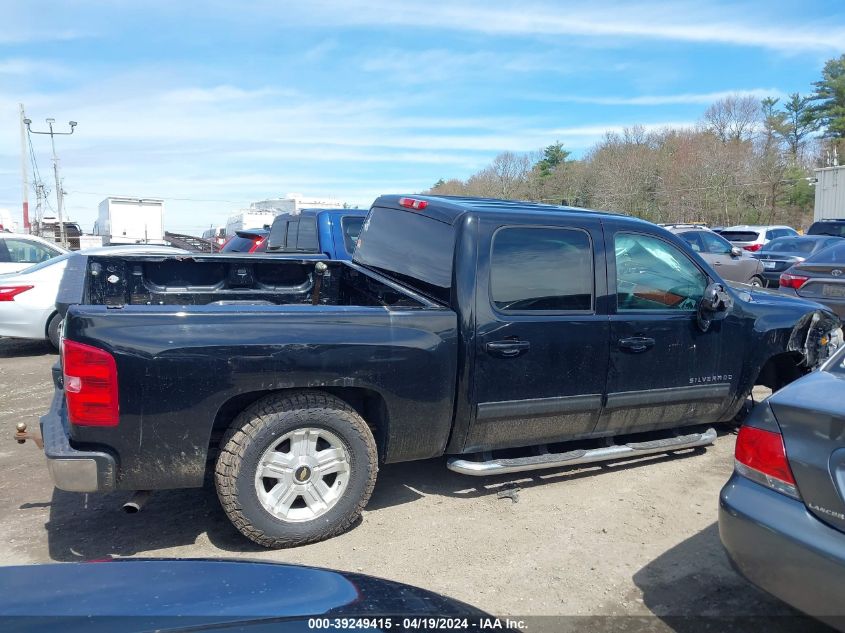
column 731, row 262
column 752, row 237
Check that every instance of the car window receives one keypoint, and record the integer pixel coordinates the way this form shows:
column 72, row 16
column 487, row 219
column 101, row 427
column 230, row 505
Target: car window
column 790, row 245
column 715, row 244
column 351, row 229
column 770, row 235
column 833, row 255
column 693, row 238
column 654, row 275
column 541, row 269
column 837, row 229
column 45, row 264
column 740, row 236
column 28, row 252
column 837, row 364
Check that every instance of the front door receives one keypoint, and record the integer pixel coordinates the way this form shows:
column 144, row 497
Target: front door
column 664, row 371
column 542, row 341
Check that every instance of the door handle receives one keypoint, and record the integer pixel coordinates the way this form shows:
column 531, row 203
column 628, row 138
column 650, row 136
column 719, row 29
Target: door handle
column 507, row 349
column 636, row 344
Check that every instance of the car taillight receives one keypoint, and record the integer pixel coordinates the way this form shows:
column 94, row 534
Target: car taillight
column 90, row 384
column 792, row 281
column 413, row 203
column 258, row 241
column 760, row 456
column 753, row 247
column 8, row 293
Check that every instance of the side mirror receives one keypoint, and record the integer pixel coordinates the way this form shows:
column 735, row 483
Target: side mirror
column 736, row 251
column 714, row 305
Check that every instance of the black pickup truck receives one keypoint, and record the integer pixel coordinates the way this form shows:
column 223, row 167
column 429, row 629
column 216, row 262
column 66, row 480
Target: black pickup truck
column 508, row 335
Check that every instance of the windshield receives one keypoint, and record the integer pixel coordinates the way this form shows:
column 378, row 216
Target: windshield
column 836, row 229
column 836, row 365
column 831, row 255
column 790, row 245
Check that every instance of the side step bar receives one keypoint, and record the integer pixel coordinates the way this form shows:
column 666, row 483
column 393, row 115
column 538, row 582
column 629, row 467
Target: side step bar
column 579, row 456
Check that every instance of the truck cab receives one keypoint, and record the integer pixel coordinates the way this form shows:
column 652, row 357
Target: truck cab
column 330, row 232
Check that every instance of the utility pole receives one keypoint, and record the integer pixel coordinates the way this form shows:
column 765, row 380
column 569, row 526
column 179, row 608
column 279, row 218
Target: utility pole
column 59, row 192
column 24, row 175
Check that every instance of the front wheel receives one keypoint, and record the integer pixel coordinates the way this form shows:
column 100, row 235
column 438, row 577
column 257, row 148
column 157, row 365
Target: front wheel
column 296, row 468
column 756, row 282
column 54, row 330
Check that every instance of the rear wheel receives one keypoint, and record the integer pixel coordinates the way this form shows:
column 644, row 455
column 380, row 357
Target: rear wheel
column 296, row 468
column 756, row 282
column 54, row 329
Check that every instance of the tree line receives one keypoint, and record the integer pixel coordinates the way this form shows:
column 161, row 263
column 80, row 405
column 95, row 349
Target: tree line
column 745, row 161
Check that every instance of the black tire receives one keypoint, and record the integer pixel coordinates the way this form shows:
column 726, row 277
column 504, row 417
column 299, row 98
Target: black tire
column 757, row 282
column 255, row 430
column 54, row 327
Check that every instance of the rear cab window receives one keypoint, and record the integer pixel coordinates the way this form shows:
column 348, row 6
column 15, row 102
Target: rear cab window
column 541, row 269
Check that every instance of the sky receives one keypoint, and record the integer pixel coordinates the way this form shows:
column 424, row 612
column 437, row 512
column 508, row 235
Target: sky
column 212, row 105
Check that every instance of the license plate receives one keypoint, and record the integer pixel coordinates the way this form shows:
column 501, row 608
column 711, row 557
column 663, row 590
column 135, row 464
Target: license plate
column 768, row 265
column 830, row 290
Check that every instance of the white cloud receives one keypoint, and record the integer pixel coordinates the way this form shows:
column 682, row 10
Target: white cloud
column 686, row 98
column 719, row 23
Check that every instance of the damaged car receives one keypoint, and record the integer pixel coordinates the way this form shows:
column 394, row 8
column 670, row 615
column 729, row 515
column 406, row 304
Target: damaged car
column 509, row 336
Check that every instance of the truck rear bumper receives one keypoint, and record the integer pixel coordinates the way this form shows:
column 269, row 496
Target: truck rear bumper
column 72, row 469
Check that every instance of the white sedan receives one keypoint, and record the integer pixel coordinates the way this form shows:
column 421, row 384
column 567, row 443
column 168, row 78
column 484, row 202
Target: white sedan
column 28, row 297
column 18, row 251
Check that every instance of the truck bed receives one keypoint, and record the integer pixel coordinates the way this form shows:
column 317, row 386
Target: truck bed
column 195, row 341
column 224, row 279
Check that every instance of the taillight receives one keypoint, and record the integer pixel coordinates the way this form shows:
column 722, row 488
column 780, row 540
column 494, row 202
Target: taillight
column 90, row 384
column 258, row 241
column 761, row 457
column 753, row 247
column 8, row 293
column 792, row 281
column 413, row 203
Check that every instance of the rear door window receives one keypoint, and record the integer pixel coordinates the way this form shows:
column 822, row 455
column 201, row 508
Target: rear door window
column 27, row 252
column 715, row 244
column 693, row 238
column 541, row 269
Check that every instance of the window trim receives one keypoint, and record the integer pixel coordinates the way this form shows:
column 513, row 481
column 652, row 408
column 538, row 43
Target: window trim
column 529, row 313
column 614, row 289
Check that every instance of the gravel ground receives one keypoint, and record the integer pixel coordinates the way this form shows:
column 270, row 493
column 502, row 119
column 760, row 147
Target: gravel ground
column 636, row 538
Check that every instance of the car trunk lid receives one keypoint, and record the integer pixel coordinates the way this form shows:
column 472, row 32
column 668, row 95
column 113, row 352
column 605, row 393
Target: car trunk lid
column 812, row 421
column 777, row 262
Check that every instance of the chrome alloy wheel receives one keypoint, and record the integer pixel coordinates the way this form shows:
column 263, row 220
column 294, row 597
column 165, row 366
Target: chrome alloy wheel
column 302, row 475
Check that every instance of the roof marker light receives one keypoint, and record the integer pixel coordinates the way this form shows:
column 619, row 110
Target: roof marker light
column 413, row 203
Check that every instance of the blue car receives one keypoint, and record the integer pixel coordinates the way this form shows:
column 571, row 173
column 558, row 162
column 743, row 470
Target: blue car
column 782, row 513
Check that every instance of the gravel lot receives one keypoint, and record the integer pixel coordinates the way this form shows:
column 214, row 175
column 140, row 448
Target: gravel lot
column 637, row 538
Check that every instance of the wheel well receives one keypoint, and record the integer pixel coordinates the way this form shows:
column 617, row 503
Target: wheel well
column 781, row 370
column 368, row 403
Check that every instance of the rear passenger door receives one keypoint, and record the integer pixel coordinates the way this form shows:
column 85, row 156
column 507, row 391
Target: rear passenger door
column 541, row 348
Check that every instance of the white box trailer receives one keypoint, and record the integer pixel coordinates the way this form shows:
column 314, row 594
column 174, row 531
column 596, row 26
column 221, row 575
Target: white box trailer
column 250, row 219
column 130, row 221
column 830, row 193
column 263, row 211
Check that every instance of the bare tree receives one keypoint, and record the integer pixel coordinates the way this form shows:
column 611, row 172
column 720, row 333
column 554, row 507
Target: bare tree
column 733, row 118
